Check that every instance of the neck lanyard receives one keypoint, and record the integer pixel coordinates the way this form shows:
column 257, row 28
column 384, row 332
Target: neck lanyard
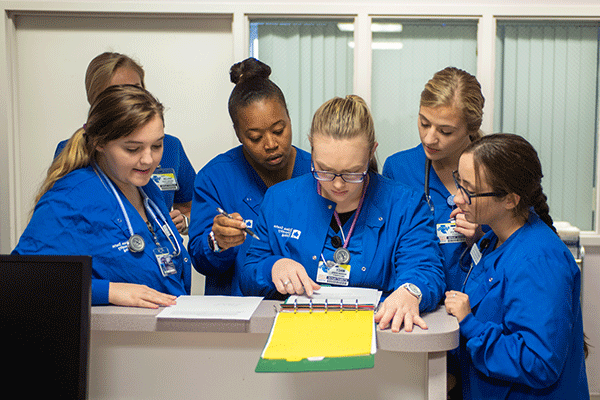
column 342, row 255
column 136, row 242
column 148, row 205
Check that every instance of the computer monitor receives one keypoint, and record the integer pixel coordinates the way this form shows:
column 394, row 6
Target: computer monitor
column 45, row 325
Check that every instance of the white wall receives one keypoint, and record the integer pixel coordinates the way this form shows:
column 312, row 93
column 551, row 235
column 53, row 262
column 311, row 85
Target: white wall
column 186, row 68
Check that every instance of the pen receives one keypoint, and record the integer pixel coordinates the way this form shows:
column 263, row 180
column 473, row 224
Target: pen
column 246, row 229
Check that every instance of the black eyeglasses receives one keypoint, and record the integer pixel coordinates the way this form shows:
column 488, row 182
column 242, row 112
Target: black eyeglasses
column 350, row 177
column 468, row 195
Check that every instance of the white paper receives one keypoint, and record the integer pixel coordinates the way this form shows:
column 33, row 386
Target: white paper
column 212, row 307
column 336, row 295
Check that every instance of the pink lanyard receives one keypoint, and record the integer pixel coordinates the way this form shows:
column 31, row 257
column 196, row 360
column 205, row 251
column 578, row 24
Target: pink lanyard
column 337, row 217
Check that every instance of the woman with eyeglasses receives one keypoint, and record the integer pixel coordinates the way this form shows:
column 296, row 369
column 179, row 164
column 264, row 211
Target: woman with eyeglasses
column 346, row 225
column 519, row 313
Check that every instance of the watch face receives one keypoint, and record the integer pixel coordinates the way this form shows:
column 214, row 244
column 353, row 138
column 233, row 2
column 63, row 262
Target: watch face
column 413, row 288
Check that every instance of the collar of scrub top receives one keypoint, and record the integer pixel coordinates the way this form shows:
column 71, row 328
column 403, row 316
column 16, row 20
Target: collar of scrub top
column 148, row 205
column 449, row 199
column 485, row 243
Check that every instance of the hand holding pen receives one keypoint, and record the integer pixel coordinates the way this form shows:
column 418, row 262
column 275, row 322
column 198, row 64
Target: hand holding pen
column 245, row 228
column 230, row 231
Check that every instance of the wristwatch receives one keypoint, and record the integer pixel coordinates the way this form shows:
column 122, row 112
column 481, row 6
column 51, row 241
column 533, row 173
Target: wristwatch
column 414, row 290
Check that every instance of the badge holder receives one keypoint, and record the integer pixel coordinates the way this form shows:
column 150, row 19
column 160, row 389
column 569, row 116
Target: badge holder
column 165, row 261
column 165, row 179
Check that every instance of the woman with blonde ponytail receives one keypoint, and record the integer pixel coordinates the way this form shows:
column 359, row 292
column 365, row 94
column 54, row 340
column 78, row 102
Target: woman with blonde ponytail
column 450, row 117
column 98, row 198
column 519, row 312
column 346, row 225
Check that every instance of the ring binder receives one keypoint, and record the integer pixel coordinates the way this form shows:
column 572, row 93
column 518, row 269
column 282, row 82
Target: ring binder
column 325, row 306
column 300, row 339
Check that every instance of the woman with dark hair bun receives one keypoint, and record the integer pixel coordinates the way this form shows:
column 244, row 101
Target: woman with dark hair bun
column 519, row 312
column 237, row 180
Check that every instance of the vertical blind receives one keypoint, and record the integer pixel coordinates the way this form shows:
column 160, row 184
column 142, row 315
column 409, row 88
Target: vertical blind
column 547, row 91
column 311, row 61
column 406, row 54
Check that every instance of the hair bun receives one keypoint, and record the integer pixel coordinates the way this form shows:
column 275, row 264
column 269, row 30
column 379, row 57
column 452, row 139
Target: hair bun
column 248, row 69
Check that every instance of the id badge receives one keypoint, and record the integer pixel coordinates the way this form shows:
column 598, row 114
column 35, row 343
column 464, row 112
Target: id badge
column 165, row 179
column 165, row 261
column 333, row 274
column 447, row 234
column 475, row 254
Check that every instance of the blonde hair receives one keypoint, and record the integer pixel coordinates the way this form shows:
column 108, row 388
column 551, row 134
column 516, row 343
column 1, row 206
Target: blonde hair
column 117, row 112
column 345, row 118
column 453, row 86
column 101, row 70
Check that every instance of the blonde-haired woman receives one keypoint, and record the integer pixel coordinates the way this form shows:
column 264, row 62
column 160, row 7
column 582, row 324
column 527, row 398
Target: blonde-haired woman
column 99, row 199
column 450, row 116
column 175, row 174
column 347, row 225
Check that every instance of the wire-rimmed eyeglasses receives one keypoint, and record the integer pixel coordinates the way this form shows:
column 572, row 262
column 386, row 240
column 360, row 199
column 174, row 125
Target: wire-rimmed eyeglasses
column 348, row 177
column 468, row 195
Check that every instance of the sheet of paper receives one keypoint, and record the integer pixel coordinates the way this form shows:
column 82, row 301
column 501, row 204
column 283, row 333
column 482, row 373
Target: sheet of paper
column 212, row 307
column 335, row 295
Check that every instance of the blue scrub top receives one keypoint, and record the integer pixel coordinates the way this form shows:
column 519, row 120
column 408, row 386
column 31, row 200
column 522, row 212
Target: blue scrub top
column 227, row 181
column 173, row 157
column 68, row 221
column 393, row 240
column 524, row 336
column 408, row 167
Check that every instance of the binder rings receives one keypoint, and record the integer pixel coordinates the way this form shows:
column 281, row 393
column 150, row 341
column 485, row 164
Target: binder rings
column 333, row 330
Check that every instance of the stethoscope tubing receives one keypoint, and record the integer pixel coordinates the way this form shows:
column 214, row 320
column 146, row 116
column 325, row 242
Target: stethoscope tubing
column 148, row 205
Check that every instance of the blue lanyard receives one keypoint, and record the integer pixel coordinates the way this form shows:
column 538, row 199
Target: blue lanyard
column 148, row 205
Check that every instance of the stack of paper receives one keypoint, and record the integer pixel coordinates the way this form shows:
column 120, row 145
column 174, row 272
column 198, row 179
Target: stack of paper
column 212, row 307
column 309, row 336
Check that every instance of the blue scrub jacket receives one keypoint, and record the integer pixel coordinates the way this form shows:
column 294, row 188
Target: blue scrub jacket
column 408, row 167
column 524, row 336
column 393, row 241
column 228, row 181
column 81, row 216
column 173, row 157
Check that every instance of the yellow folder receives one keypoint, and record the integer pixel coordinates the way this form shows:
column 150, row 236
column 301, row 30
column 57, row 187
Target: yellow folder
column 319, row 334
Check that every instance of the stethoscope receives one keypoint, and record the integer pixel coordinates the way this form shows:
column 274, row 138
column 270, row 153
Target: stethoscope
column 449, row 199
column 136, row 242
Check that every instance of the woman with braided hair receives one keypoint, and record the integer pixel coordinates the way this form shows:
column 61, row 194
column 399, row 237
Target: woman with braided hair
column 519, row 310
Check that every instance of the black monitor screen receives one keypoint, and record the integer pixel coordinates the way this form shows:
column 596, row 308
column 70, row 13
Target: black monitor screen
column 45, row 324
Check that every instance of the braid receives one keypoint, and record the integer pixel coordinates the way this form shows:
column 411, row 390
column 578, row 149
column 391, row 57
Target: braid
column 540, row 205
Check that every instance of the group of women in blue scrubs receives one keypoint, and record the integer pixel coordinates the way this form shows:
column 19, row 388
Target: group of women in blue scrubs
column 329, row 218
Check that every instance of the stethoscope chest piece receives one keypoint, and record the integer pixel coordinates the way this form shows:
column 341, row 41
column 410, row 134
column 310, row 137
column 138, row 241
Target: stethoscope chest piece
column 341, row 255
column 136, row 243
